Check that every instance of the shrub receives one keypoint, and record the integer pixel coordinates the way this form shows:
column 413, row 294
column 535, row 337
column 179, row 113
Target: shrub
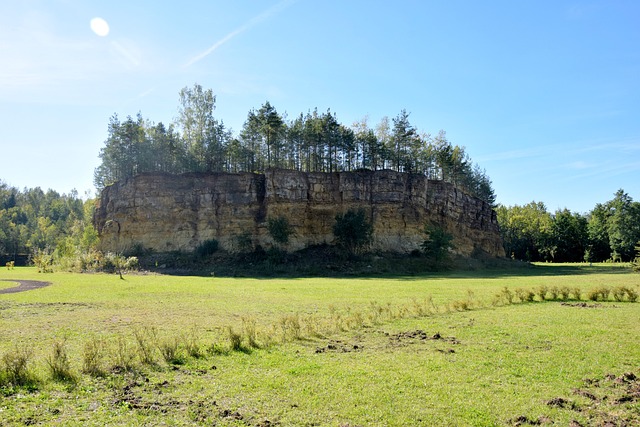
column 599, row 294
column 235, row 340
column 279, row 229
column 576, row 292
column 192, row 345
column 207, row 248
column 438, row 244
column 542, row 292
column 59, row 364
column 525, row 295
column 291, row 327
column 146, row 338
column 15, row 365
column 564, row 292
column 249, row 330
column 621, row 292
column 170, row 349
column 92, row 357
column 243, row 243
column 43, row 260
column 352, row 230
column 124, row 355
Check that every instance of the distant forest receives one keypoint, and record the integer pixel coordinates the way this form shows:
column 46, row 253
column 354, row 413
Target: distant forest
column 611, row 231
column 311, row 142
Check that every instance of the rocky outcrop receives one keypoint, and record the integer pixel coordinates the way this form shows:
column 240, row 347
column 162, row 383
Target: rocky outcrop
column 177, row 212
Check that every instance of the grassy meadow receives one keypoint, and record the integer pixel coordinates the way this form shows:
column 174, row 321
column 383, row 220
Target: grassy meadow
column 526, row 346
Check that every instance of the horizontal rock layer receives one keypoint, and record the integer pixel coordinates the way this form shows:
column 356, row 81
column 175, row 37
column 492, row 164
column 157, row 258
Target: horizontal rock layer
column 178, row 212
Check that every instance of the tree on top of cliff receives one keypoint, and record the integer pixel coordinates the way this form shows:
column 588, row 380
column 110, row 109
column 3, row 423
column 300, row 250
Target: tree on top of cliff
column 312, row 142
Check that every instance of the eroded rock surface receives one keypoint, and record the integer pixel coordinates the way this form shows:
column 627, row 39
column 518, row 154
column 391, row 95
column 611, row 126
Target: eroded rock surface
column 177, row 212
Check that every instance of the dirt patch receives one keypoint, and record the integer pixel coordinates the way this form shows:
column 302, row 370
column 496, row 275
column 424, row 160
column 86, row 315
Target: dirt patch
column 586, row 305
column 420, row 335
column 337, row 346
column 608, row 401
column 23, row 285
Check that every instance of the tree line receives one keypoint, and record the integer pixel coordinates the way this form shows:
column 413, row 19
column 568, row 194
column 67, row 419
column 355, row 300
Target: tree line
column 32, row 220
column 313, row 142
column 611, row 231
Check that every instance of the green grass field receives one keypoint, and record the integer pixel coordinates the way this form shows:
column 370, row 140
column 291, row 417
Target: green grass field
column 456, row 348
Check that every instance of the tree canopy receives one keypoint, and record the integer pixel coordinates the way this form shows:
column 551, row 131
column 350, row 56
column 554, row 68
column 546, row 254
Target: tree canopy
column 311, row 142
column 609, row 232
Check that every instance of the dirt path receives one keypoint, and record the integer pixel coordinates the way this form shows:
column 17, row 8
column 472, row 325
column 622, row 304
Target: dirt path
column 24, row 285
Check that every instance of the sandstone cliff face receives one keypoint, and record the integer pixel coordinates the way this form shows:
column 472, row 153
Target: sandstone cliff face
column 168, row 212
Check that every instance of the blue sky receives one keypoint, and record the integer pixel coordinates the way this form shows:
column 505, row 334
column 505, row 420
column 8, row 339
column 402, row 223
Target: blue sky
column 545, row 95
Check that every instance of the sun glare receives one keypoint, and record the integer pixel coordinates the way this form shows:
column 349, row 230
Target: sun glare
column 99, row 26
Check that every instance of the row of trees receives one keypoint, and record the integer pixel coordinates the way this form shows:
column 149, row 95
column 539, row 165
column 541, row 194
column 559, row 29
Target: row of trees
column 313, row 142
column 610, row 231
column 32, row 220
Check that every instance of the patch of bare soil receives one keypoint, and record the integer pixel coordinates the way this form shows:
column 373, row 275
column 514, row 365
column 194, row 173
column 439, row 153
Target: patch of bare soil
column 337, row 346
column 611, row 401
column 23, row 285
column 142, row 395
column 586, row 305
column 419, row 335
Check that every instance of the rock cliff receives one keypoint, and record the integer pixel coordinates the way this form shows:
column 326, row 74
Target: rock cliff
column 178, row 212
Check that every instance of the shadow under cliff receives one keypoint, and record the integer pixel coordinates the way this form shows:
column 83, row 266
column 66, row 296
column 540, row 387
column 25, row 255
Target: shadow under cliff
column 326, row 261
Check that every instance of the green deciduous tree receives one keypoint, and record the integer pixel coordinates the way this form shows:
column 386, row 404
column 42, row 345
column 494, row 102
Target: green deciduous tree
column 569, row 236
column 526, row 231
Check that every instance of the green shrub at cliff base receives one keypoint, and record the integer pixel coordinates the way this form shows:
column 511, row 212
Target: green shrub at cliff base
column 206, row 248
column 437, row 245
column 352, row 230
column 280, row 230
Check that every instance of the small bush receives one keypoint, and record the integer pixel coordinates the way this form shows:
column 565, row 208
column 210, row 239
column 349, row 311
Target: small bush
column 622, row 293
column 290, row 326
column 280, row 230
column 525, row 295
column 352, row 230
column 460, row 305
column 564, row 293
column 207, row 248
column 249, row 330
column 576, row 292
column 235, row 340
column 124, row 355
column 507, row 295
column 243, row 243
column 15, row 365
column 599, row 294
column 438, row 244
column 59, row 364
column 92, row 357
column 146, row 339
column 170, row 349
column 542, row 292
column 192, row 343
column 43, row 260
